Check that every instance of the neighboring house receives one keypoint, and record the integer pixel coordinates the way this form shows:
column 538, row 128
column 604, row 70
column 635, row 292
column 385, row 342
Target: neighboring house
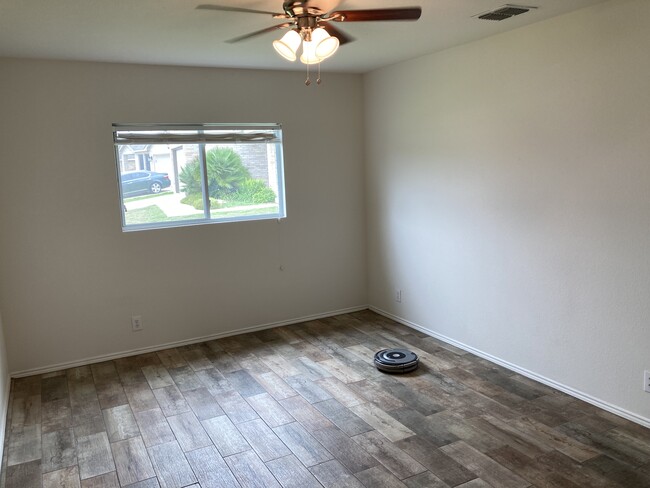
column 153, row 157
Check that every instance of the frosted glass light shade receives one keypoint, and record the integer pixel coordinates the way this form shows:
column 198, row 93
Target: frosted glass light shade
column 309, row 53
column 288, row 45
column 326, row 45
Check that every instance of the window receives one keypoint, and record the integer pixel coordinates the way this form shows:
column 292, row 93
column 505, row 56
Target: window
column 171, row 176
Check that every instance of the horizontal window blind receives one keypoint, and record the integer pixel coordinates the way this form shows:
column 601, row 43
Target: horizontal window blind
column 209, row 133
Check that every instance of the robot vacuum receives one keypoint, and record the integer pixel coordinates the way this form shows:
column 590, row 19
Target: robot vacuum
column 396, row 361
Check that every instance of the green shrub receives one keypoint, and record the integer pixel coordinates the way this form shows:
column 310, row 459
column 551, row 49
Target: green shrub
column 253, row 191
column 193, row 199
column 196, row 201
column 190, row 177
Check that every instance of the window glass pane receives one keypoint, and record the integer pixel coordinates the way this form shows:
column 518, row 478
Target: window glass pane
column 157, row 195
column 242, row 180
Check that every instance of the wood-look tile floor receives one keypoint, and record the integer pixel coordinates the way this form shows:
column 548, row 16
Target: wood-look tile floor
column 302, row 406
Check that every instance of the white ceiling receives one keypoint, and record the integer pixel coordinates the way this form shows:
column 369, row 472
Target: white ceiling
column 174, row 32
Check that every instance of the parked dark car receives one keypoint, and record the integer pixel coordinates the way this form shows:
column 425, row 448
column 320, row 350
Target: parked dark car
column 144, row 182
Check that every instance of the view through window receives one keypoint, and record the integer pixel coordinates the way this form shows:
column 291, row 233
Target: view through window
column 197, row 174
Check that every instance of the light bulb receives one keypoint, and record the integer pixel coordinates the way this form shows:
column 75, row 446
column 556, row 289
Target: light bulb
column 326, row 45
column 288, row 45
column 309, row 53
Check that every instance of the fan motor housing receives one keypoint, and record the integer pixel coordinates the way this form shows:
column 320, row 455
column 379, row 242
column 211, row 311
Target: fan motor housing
column 396, row 361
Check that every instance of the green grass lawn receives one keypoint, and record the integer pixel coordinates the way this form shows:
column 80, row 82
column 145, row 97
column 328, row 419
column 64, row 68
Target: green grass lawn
column 153, row 215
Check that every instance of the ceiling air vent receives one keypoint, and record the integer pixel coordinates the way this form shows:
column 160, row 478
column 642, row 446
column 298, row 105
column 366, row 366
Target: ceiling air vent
column 504, row 12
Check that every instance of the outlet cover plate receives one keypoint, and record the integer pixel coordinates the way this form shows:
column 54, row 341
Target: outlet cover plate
column 646, row 381
column 136, row 323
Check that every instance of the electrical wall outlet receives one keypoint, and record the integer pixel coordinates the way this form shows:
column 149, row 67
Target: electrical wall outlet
column 398, row 296
column 646, row 381
column 136, row 323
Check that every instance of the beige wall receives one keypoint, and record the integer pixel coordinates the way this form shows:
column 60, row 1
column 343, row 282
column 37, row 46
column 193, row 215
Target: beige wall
column 70, row 279
column 509, row 197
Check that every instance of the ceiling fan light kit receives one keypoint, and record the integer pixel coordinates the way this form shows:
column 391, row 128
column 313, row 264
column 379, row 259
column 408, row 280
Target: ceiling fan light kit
column 316, row 46
column 313, row 28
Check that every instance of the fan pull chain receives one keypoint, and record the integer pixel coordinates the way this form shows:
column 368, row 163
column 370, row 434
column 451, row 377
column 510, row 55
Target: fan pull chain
column 307, row 81
column 318, row 79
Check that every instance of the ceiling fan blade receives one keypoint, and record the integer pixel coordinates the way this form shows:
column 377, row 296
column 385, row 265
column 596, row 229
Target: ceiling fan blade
column 336, row 32
column 259, row 32
column 236, row 9
column 407, row 13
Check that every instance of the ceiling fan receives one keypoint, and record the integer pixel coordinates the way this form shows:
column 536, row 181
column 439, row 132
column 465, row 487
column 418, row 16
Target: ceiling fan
column 314, row 28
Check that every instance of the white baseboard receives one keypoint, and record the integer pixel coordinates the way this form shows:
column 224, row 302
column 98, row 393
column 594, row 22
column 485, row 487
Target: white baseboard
column 194, row 340
column 4, row 412
column 518, row 369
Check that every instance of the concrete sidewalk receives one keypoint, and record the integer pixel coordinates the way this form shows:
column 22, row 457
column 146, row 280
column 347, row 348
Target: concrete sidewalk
column 169, row 203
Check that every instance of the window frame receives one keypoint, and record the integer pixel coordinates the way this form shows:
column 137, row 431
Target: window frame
column 201, row 142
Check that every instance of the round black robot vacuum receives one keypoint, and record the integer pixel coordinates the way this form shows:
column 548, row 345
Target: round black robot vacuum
column 396, row 361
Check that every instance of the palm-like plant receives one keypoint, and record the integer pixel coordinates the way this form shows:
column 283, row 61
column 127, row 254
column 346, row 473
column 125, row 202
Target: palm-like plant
column 226, row 173
column 190, row 177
